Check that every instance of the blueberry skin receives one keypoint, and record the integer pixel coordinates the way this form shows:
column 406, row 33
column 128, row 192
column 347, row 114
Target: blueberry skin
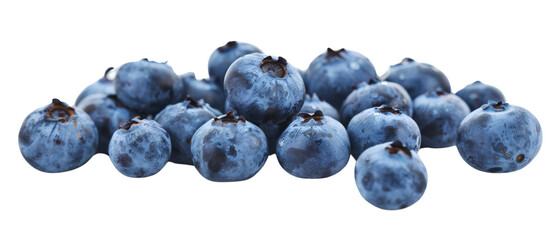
column 438, row 115
column 57, row 138
column 224, row 56
column 107, row 112
column 228, row 148
column 140, row 148
column 478, row 93
column 390, row 177
column 314, row 103
column 313, row 146
column 373, row 95
column 334, row 74
column 264, row 89
column 417, row 78
column 148, row 86
column 103, row 85
column 499, row 137
column 205, row 89
column 181, row 120
column 379, row 125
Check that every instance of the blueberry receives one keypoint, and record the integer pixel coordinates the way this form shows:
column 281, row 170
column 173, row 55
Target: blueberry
column 206, row 89
column 147, row 86
column 314, row 103
column 313, row 146
column 181, row 120
column 417, row 78
column 57, row 138
column 140, row 148
column 390, row 176
column 103, row 85
column 376, row 94
column 498, row 137
column 478, row 93
column 379, row 125
column 438, row 115
column 224, row 56
column 266, row 90
column 107, row 112
column 334, row 74
column 229, row 148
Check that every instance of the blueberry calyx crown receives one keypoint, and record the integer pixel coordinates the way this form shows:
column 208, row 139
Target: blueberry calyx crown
column 192, row 103
column 317, row 116
column 227, row 46
column 278, row 67
column 105, row 76
column 59, row 111
column 396, row 147
column 388, row 109
column 229, row 117
column 440, row 92
column 407, row 60
column 127, row 124
column 497, row 106
column 332, row 53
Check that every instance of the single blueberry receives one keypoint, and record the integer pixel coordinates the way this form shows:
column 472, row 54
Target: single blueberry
column 498, row 137
column 205, row 89
column 379, row 125
column 375, row 94
column 334, row 74
column 390, row 176
column 57, row 138
column 140, row 148
column 478, row 93
column 224, row 56
column 181, row 120
column 147, row 87
column 417, row 78
column 313, row 146
column 107, row 112
column 103, row 85
column 228, row 148
column 438, row 115
column 266, row 90
column 314, row 103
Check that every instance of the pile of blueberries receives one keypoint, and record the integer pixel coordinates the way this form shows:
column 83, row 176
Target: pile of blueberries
column 312, row 120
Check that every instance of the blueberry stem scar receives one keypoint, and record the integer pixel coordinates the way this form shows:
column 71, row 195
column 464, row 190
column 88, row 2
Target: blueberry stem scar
column 59, row 111
column 229, row 118
column 227, row 46
column 317, row 116
column 279, row 67
column 396, row 147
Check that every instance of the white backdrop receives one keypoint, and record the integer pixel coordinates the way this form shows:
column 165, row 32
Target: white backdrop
column 54, row 49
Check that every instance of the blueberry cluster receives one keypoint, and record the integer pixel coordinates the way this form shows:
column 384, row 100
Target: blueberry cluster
column 312, row 120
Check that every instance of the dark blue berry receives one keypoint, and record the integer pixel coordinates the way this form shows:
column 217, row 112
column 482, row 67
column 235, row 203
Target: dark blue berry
column 438, row 115
column 417, row 78
column 57, row 138
column 229, row 148
column 147, row 86
column 334, row 74
column 224, row 56
column 313, row 146
column 478, row 93
column 390, row 176
column 140, row 148
column 498, row 137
